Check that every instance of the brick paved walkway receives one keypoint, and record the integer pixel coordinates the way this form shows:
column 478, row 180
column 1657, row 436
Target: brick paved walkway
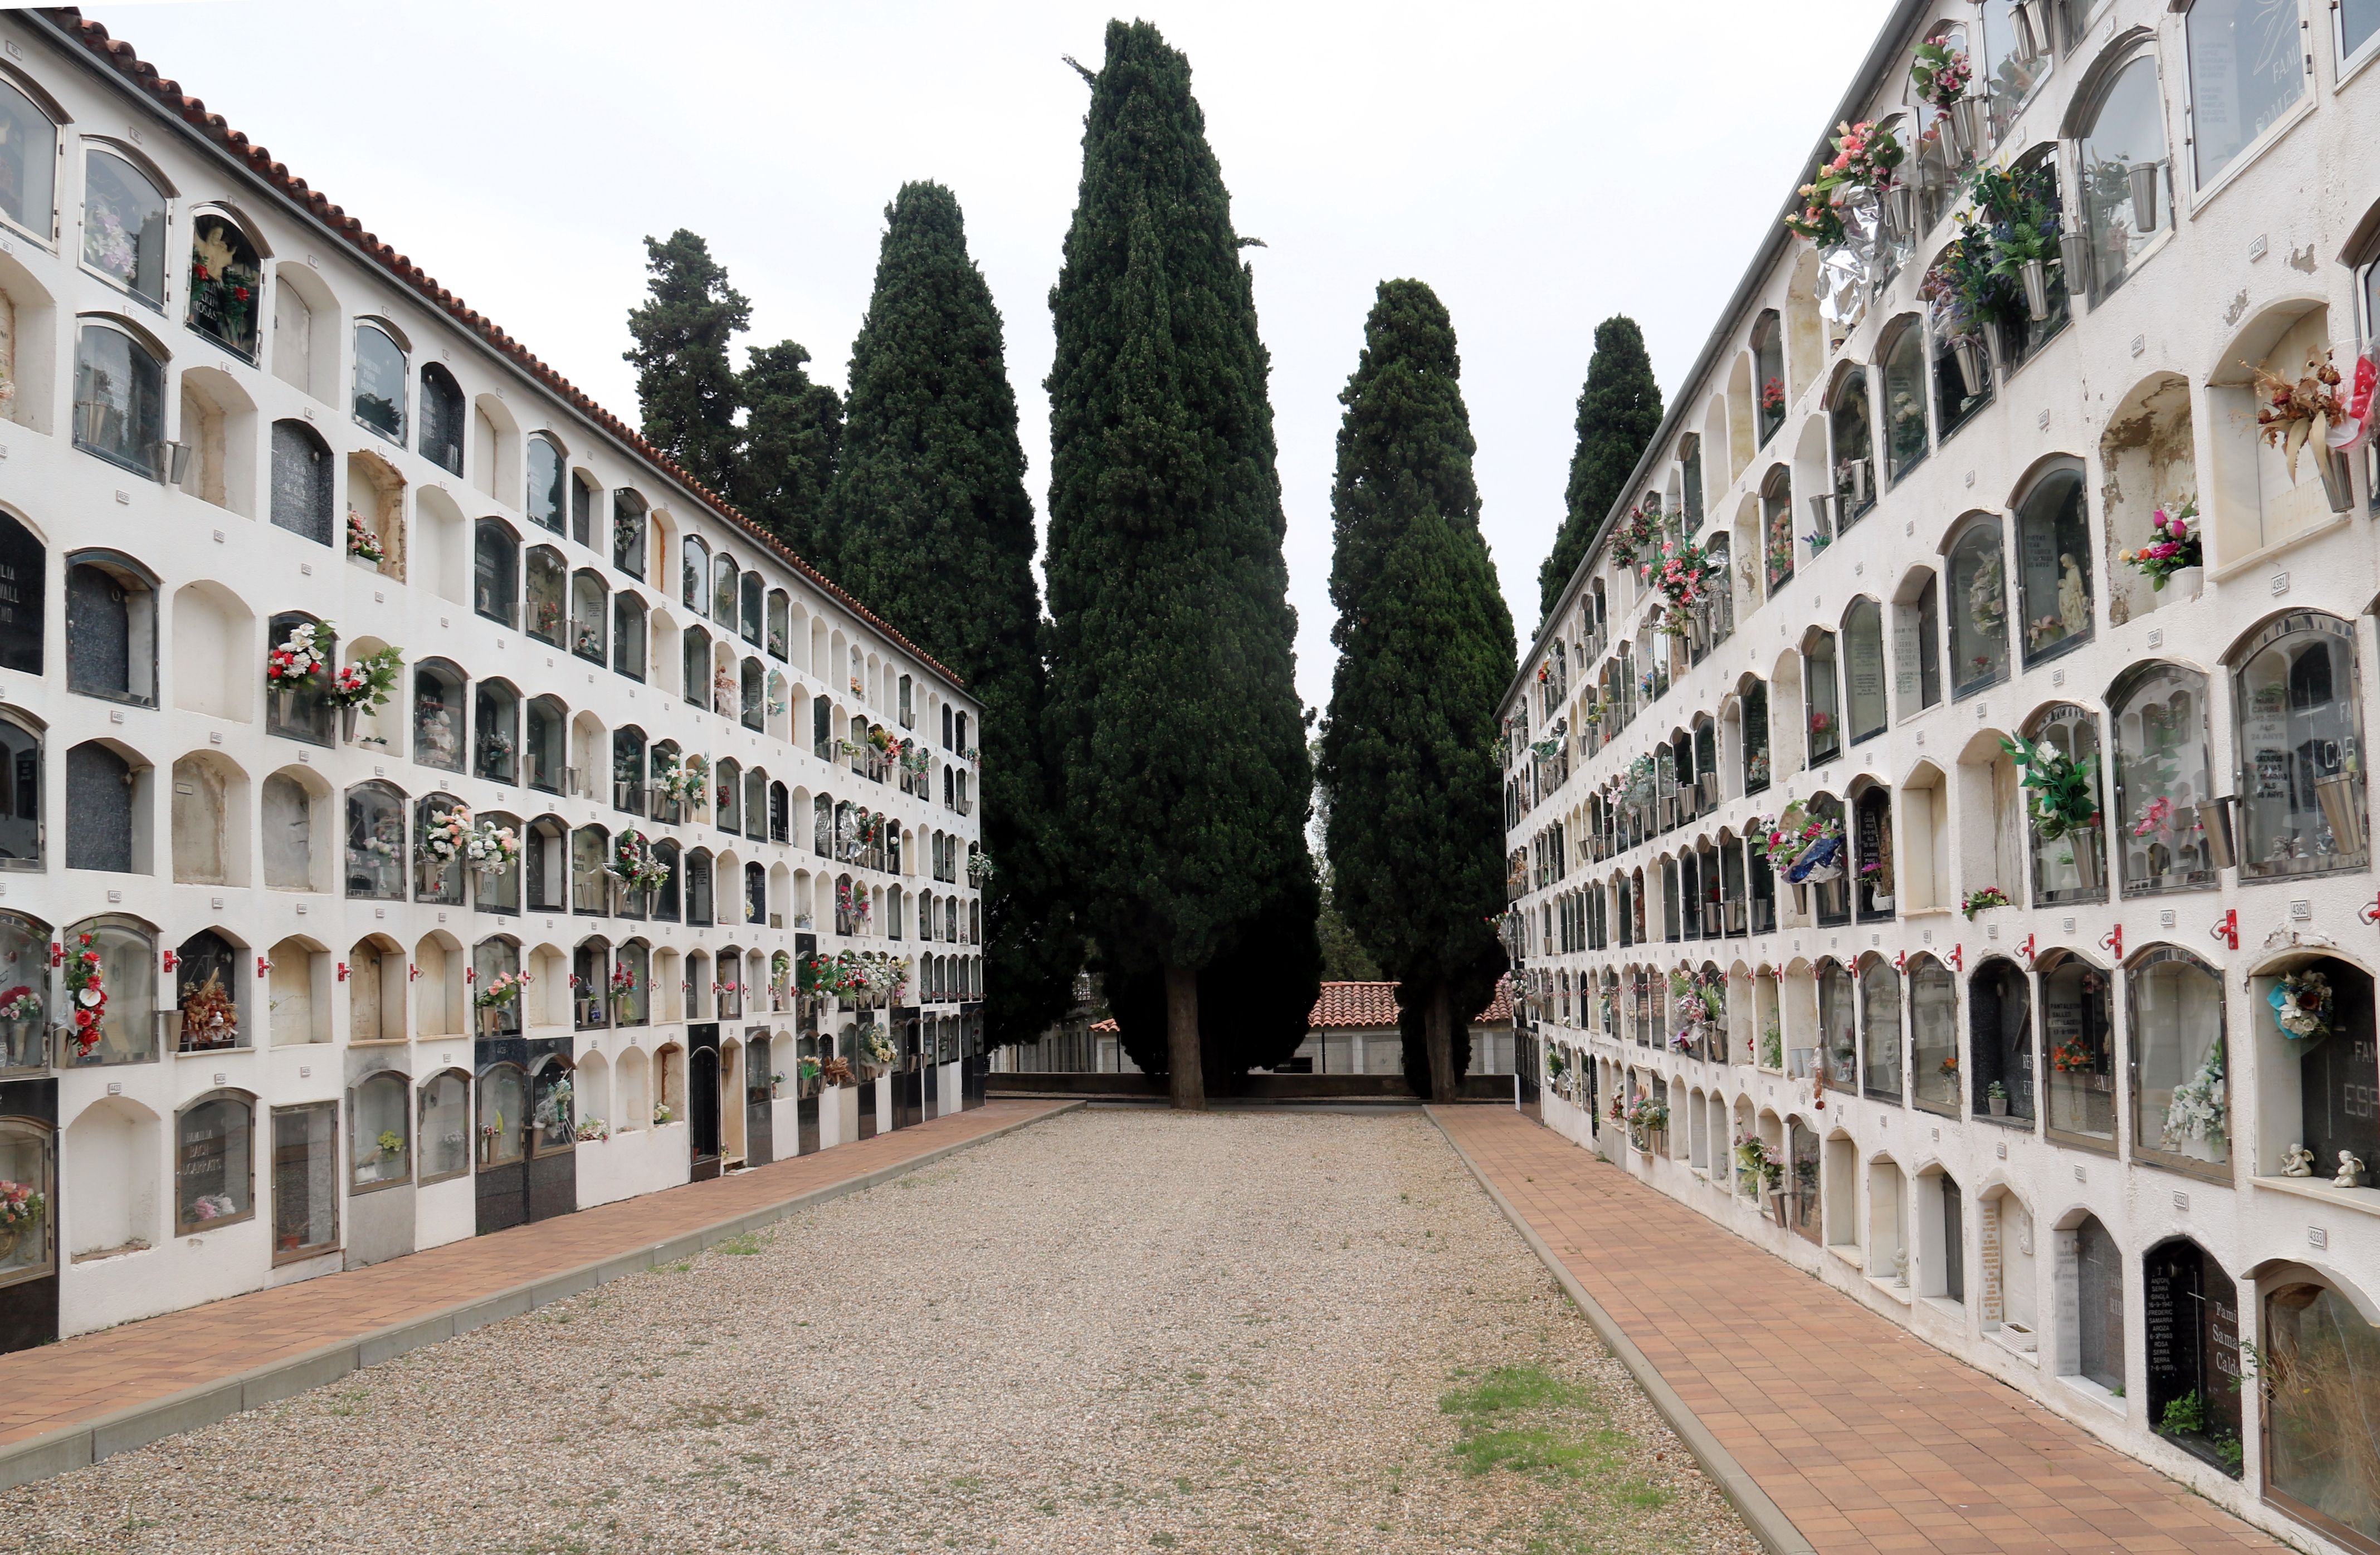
column 1870, row 1439
column 82, row 1380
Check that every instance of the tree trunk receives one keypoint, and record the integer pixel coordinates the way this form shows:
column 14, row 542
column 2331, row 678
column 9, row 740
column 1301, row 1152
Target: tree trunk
column 1182, row 1057
column 1440, row 1037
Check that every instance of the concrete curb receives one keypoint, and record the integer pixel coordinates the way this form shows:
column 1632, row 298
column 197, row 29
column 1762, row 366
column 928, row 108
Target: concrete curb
column 77, row 1446
column 1763, row 1516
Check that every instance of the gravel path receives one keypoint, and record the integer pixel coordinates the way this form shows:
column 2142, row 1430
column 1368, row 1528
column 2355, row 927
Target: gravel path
column 1118, row 1330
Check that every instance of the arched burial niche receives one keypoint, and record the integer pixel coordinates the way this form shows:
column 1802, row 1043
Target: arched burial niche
column 2178, row 1083
column 2054, row 562
column 24, row 588
column 2067, row 842
column 2260, row 497
column 114, row 1146
column 2315, row 1090
column 1978, row 606
column 2190, row 1350
column 110, row 628
column 2077, row 1020
column 210, row 822
column 211, row 627
column 2298, row 730
column 2148, row 459
column 2000, row 1033
column 2320, row 1352
column 2091, row 1297
column 2162, row 779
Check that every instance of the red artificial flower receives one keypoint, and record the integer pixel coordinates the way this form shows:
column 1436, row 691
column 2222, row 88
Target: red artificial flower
column 240, row 292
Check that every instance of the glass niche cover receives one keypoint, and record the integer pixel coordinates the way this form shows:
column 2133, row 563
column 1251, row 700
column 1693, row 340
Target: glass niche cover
column 2300, row 751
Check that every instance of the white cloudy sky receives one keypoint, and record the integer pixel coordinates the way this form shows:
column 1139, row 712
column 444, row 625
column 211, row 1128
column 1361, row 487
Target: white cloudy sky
column 1542, row 167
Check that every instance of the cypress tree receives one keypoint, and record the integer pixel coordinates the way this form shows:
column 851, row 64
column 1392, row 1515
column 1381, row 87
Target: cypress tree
column 792, row 442
column 685, row 383
column 1618, row 411
column 933, row 528
column 1173, row 711
column 1409, row 759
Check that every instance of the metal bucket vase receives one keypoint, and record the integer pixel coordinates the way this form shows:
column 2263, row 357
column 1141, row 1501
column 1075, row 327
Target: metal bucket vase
column 2142, row 179
column 1970, row 124
column 348, row 718
column 2074, row 259
column 2214, row 821
column 2035, row 273
column 2338, row 797
column 2087, row 856
column 2337, row 485
column 1969, row 353
column 2032, row 18
column 1899, row 211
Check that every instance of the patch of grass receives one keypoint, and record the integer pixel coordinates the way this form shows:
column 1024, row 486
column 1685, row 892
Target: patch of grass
column 738, row 1246
column 1525, row 1419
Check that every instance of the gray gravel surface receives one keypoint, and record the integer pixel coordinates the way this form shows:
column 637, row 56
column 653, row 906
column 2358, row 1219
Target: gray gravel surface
column 1118, row 1330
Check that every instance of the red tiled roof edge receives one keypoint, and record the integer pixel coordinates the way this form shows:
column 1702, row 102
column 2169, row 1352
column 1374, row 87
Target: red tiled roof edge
column 169, row 93
column 1368, row 1004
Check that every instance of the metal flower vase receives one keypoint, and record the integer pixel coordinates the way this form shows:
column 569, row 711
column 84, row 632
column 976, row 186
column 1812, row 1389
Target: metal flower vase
column 2337, row 485
column 1970, row 124
column 2036, row 274
column 2142, row 179
column 2214, row 824
column 348, row 718
column 2074, row 259
column 2085, row 841
column 2341, row 810
column 1968, row 351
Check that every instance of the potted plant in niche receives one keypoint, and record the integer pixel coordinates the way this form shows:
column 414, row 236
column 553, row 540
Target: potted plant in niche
column 2174, row 553
column 2062, row 800
column 1995, row 1097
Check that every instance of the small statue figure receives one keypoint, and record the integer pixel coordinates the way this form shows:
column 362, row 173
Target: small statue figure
column 2073, row 600
column 1901, row 1267
column 2297, row 1161
column 2351, row 1167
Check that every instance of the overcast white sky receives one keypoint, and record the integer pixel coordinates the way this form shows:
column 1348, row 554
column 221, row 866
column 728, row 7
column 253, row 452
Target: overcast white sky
column 1542, row 167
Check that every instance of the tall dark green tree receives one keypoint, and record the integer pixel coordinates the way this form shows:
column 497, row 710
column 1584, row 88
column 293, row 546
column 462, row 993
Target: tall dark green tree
column 686, row 384
column 932, row 527
column 1618, row 411
column 1409, row 759
column 1173, row 711
column 792, row 442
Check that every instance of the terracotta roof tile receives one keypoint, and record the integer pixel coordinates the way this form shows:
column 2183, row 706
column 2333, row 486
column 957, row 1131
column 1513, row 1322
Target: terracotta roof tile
column 191, row 110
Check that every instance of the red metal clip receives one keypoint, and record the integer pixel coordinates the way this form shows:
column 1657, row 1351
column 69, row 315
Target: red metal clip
column 342, row 971
column 1901, row 961
column 412, row 973
column 1959, row 957
column 2113, row 942
column 57, row 954
column 470, row 974
column 172, row 959
column 2227, row 929
column 2371, row 913
column 2025, row 950
column 264, row 967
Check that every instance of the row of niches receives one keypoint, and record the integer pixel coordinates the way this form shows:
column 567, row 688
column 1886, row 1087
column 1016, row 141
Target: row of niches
column 481, row 562
column 1964, row 628
column 2108, row 194
column 386, row 846
column 2082, row 805
column 2050, row 1283
column 113, row 638
column 213, row 993
column 407, row 1133
column 2131, row 1057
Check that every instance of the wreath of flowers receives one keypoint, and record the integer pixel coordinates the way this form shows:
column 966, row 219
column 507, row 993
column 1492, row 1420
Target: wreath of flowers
column 86, row 990
column 445, row 835
column 1982, row 901
column 636, row 865
column 297, row 664
column 2302, row 1005
column 1940, row 73
column 21, row 1206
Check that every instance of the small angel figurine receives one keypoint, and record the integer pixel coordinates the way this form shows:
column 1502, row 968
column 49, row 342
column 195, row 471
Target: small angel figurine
column 2351, row 1167
column 2297, row 1161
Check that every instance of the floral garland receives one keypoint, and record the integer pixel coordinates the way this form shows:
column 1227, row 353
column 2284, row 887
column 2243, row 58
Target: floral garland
column 1865, row 159
column 502, row 991
column 368, row 684
column 1638, row 533
column 2174, row 547
column 445, row 836
column 636, row 865
column 362, row 544
column 86, row 990
column 2302, row 1005
column 870, row 973
column 297, row 664
column 492, row 848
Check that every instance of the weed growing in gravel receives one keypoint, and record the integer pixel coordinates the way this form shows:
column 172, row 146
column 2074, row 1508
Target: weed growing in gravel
column 739, row 1246
column 1525, row 1419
